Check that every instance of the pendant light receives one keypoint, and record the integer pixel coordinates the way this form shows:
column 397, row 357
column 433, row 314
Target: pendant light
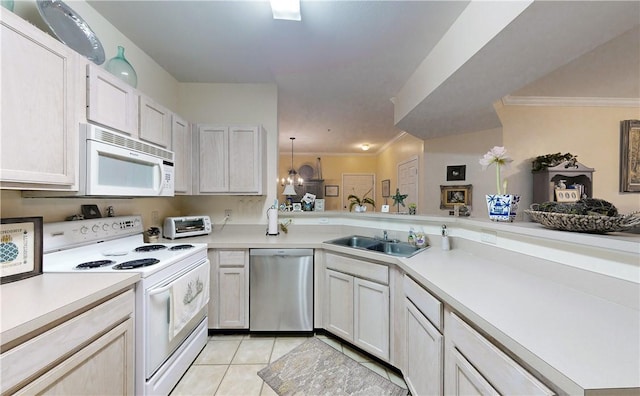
column 289, row 189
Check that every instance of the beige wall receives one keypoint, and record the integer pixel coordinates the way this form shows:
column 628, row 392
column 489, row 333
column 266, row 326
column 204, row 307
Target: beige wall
column 333, row 166
column 402, row 149
column 591, row 133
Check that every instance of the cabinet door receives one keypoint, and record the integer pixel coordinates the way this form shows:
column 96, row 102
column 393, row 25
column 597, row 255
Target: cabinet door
column 245, row 160
column 104, row 367
column 111, row 102
column 371, row 317
column 155, row 122
column 465, row 380
column 424, row 362
column 181, row 146
column 212, row 155
column 232, row 297
column 40, row 93
column 338, row 313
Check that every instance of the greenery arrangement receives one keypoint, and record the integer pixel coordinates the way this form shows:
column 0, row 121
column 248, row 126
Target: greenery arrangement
column 357, row 201
column 542, row 162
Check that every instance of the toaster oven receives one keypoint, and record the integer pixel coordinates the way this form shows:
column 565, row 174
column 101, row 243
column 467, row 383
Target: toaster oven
column 187, row 226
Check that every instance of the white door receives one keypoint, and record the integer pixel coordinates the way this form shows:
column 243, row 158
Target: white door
column 358, row 184
column 408, row 181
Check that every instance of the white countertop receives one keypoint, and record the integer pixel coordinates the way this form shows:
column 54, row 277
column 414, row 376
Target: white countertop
column 29, row 304
column 577, row 340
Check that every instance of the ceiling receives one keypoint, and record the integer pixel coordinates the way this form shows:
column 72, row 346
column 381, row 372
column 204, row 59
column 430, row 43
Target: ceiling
column 337, row 70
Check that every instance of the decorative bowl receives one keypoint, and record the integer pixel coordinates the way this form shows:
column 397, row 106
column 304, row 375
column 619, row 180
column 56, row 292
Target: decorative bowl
column 585, row 223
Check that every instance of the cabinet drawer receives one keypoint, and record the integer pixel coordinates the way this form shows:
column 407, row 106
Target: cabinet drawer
column 424, row 301
column 34, row 356
column 362, row 269
column 507, row 376
column 231, row 258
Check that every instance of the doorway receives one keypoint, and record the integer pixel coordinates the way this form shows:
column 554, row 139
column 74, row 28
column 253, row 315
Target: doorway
column 408, row 181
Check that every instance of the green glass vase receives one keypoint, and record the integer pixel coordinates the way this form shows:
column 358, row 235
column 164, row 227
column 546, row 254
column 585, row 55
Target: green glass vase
column 120, row 67
column 8, row 4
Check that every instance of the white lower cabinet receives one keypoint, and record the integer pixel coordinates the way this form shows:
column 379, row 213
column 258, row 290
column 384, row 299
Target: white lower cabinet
column 424, row 361
column 473, row 365
column 230, row 278
column 357, row 309
column 89, row 354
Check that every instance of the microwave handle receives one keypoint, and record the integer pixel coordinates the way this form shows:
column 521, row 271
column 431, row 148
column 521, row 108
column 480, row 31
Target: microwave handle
column 162, row 175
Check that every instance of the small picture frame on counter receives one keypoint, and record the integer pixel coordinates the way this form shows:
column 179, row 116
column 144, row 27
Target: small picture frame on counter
column 20, row 248
column 90, row 211
column 297, row 207
column 318, row 205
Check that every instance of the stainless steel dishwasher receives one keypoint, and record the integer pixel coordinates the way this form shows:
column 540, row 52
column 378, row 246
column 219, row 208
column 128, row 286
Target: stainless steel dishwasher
column 281, row 290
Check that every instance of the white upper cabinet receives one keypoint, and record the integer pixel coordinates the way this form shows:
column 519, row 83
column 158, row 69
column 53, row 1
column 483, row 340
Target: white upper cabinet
column 155, row 122
column 181, row 147
column 229, row 160
column 41, row 88
column 111, row 102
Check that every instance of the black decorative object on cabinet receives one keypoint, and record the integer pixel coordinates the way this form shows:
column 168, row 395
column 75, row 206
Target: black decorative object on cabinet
column 568, row 174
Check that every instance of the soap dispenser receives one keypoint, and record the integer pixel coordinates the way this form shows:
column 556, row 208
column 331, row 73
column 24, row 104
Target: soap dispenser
column 412, row 237
column 445, row 239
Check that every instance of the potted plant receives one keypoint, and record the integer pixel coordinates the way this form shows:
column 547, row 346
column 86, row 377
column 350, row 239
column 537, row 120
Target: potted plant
column 359, row 203
column 501, row 206
column 412, row 208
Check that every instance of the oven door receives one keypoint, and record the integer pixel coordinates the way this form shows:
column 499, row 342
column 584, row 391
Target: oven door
column 174, row 308
column 113, row 170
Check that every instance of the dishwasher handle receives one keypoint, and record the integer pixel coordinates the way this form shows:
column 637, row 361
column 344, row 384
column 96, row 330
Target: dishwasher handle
column 281, row 252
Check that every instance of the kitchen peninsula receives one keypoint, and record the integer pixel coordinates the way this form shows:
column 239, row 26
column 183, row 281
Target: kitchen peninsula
column 563, row 306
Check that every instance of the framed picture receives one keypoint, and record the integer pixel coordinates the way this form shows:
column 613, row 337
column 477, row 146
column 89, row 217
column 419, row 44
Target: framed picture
column 456, row 172
column 297, row 207
column 318, row 205
column 20, row 248
column 630, row 156
column 331, row 190
column 386, row 188
column 450, row 196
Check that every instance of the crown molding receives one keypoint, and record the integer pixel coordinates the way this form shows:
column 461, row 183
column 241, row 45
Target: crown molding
column 569, row 101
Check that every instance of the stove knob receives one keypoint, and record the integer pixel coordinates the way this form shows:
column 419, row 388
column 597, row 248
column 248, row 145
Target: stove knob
column 95, row 228
column 105, row 227
column 136, row 223
column 84, row 230
column 115, row 226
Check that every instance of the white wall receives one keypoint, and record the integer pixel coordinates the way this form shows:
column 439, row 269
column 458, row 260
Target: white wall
column 465, row 149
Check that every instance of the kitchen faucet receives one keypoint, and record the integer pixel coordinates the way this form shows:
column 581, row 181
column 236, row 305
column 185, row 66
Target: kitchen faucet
column 385, row 235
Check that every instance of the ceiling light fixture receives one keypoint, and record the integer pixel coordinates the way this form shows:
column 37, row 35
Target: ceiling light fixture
column 291, row 177
column 365, row 147
column 286, row 9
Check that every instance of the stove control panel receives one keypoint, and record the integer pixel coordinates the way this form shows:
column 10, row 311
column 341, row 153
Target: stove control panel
column 67, row 234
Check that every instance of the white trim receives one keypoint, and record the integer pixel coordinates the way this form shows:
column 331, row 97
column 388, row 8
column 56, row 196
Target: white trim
column 569, row 101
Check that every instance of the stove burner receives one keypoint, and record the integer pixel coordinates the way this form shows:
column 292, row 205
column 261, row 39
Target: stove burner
column 149, row 248
column 136, row 264
column 180, row 247
column 94, row 264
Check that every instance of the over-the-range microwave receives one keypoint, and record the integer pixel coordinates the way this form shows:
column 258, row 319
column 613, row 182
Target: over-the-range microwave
column 112, row 164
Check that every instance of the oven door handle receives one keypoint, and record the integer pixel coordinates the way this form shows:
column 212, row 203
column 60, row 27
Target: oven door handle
column 160, row 290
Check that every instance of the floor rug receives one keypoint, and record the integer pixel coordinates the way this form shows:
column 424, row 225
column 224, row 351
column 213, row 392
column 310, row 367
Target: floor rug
column 314, row 368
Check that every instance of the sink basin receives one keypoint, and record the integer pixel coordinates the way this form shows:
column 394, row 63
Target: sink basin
column 355, row 241
column 401, row 249
column 391, row 247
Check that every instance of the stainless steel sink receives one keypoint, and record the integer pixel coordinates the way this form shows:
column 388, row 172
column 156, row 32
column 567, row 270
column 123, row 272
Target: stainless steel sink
column 390, row 247
column 355, row 241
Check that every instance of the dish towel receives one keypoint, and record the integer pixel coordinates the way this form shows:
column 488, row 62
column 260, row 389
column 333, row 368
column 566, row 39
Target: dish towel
column 188, row 295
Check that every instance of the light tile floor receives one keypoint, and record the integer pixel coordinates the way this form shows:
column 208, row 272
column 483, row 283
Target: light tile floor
column 228, row 365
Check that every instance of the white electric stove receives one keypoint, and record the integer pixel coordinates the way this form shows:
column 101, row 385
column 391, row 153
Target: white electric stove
column 170, row 330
